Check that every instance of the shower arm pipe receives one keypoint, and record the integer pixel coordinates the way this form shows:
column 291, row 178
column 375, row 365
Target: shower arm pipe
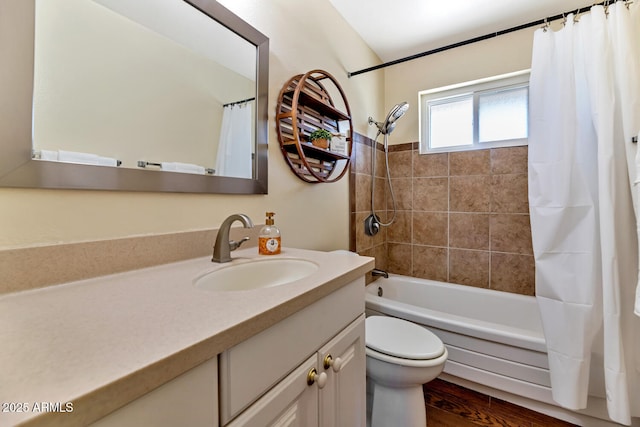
column 544, row 21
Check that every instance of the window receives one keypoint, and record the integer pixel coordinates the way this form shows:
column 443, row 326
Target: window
column 484, row 113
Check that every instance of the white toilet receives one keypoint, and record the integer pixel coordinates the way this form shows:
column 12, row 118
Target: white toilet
column 401, row 357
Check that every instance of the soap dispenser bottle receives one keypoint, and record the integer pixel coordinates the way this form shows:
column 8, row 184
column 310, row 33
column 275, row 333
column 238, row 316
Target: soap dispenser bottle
column 269, row 242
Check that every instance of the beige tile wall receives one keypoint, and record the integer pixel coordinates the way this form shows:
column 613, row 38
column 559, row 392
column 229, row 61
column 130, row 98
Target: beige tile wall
column 360, row 178
column 462, row 217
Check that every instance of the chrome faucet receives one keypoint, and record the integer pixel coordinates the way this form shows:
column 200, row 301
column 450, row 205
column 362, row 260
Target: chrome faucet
column 223, row 246
column 377, row 272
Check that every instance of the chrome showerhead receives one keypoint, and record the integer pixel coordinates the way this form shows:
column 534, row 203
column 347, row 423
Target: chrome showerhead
column 389, row 123
column 397, row 111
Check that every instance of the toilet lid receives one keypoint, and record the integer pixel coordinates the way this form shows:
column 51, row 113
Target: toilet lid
column 400, row 338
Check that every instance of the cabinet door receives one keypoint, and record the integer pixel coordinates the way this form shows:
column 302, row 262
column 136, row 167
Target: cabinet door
column 244, row 376
column 343, row 399
column 291, row 403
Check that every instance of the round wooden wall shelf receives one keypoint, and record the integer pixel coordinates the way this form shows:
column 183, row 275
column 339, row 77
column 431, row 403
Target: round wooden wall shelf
column 304, row 105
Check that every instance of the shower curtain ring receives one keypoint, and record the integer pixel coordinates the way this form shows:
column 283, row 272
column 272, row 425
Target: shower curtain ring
column 546, row 25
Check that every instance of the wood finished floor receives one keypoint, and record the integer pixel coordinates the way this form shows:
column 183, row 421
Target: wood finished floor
column 449, row 405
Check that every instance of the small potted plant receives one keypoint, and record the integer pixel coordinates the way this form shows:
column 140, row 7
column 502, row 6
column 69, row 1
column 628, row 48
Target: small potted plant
column 320, row 138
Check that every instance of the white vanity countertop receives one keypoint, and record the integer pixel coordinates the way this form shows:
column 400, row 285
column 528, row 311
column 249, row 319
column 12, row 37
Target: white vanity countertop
column 103, row 342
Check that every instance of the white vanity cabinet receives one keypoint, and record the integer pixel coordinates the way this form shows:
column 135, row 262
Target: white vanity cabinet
column 269, row 379
column 306, row 370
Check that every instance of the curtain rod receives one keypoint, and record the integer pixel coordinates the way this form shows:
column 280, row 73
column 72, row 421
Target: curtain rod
column 238, row 102
column 480, row 38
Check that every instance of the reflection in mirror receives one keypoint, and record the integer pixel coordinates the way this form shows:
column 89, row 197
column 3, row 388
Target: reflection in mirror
column 161, row 85
column 138, row 88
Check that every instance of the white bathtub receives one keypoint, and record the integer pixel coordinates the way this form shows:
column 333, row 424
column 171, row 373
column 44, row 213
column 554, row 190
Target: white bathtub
column 495, row 340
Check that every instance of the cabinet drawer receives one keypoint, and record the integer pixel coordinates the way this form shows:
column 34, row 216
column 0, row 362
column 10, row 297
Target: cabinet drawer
column 252, row 367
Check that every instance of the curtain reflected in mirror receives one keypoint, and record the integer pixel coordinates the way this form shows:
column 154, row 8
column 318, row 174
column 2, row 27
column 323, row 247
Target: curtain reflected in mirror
column 235, row 146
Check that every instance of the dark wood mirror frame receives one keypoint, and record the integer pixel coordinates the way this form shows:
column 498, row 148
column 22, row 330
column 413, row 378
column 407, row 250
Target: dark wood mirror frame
column 18, row 170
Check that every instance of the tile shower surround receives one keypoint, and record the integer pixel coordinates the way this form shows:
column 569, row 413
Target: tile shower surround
column 462, row 217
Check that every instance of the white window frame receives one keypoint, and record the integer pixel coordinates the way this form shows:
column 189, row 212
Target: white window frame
column 513, row 80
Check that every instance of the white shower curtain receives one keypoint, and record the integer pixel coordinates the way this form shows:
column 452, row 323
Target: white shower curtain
column 583, row 113
column 235, row 146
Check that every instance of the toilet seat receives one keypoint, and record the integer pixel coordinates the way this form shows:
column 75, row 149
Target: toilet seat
column 408, row 363
column 391, row 337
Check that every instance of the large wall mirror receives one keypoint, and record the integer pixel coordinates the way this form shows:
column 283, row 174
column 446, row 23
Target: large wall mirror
column 135, row 95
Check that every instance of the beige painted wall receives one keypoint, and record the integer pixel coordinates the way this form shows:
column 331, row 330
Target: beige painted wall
column 310, row 216
column 500, row 55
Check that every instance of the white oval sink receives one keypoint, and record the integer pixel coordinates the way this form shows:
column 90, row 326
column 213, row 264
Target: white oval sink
column 261, row 273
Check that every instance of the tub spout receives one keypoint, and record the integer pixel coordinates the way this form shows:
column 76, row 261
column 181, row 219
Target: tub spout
column 377, row 272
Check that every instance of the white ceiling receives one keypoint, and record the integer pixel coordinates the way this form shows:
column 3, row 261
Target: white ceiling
column 405, row 27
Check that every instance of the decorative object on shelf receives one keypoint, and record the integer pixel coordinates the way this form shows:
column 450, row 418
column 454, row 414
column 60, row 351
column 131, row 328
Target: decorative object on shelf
column 320, row 138
column 306, row 107
column 339, row 143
